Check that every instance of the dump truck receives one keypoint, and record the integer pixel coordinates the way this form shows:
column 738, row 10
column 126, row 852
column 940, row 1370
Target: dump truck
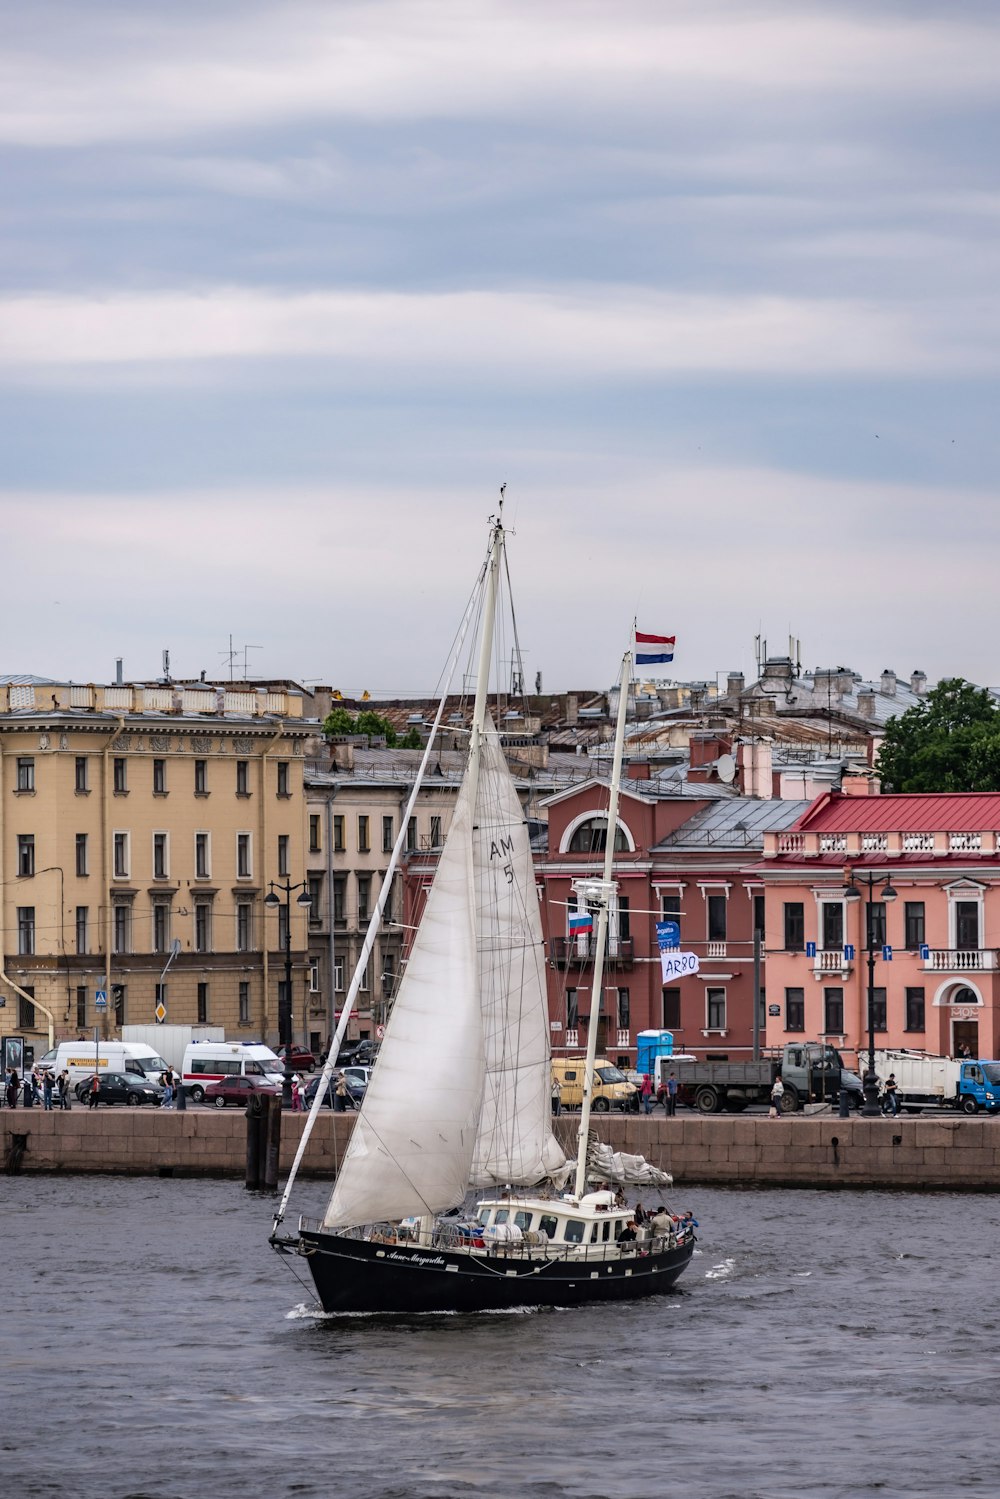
column 811, row 1071
column 925, row 1081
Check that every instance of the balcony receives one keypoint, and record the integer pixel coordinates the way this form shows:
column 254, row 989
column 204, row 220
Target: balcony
column 831, row 961
column 578, row 952
column 961, row 960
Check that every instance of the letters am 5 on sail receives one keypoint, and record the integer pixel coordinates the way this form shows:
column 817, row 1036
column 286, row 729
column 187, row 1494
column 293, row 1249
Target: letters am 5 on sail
column 459, row 1100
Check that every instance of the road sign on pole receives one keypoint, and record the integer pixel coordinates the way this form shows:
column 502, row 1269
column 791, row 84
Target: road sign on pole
column 101, row 999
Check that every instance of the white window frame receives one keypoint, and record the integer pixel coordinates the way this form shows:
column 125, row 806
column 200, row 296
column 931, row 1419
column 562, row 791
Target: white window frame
column 246, row 874
column 126, row 872
column 165, row 835
column 206, row 834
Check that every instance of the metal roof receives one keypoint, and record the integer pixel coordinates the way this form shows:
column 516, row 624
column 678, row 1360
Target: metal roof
column 740, row 823
column 912, row 812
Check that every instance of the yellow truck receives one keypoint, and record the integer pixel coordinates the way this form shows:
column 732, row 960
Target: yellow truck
column 612, row 1089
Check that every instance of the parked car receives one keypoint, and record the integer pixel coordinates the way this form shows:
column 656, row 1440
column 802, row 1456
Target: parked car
column 361, row 1053
column 300, row 1059
column 238, row 1090
column 121, row 1087
column 357, row 1075
column 355, row 1090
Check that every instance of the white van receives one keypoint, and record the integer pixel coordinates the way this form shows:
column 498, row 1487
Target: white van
column 207, row 1061
column 82, row 1058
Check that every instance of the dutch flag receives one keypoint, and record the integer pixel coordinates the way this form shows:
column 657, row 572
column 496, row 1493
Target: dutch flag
column 652, row 648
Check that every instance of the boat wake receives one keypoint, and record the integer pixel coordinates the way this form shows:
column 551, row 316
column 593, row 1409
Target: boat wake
column 721, row 1271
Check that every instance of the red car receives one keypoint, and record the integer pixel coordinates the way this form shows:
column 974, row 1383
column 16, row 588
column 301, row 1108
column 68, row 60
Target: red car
column 239, row 1090
column 300, row 1059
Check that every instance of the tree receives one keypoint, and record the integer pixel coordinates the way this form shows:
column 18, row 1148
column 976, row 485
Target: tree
column 375, row 725
column 950, row 741
column 411, row 740
column 338, row 721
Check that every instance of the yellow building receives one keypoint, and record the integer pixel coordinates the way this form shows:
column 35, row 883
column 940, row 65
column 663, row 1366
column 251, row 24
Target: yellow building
column 136, row 820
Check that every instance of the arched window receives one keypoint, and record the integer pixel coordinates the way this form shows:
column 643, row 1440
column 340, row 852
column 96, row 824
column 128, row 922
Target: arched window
column 591, row 837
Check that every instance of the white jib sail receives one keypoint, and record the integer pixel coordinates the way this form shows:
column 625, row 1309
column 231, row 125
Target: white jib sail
column 515, row 1143
column 411, row 1147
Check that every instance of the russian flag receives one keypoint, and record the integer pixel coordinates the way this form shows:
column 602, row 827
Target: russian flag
column 653, row 648
column 580, row 921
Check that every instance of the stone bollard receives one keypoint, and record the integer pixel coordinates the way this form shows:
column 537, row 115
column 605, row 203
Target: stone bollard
column 845, row 1104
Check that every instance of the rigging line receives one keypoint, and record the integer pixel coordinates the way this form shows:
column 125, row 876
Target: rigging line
column 376, row 917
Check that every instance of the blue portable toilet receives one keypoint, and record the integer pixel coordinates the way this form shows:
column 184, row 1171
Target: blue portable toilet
column 650, row 1046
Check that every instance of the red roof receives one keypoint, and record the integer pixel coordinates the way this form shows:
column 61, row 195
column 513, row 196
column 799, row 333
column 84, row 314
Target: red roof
column 916, row 812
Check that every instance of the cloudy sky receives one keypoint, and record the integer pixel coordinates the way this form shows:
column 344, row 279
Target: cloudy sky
column 287, row 290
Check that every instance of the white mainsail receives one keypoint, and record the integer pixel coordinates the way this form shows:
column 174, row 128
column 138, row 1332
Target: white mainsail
column 515, row 1144
column 411, row 1148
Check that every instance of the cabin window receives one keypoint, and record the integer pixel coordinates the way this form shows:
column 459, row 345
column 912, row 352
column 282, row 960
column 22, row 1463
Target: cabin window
column 484, row 1216
column 548, row 1225
column 501, row 1216
column 606, row 1230
column 574, row 1231
column 523, row 1221
column 594, row 1232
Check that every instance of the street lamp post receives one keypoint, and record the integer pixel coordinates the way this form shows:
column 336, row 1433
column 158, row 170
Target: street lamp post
column 887, row 895
column 273, row 900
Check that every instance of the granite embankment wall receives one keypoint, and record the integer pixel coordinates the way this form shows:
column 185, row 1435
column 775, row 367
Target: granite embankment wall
column 958, row 1153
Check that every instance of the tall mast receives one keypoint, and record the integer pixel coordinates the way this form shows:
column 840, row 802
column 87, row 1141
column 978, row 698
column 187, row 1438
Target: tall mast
column 485, row 653
column 602, row 891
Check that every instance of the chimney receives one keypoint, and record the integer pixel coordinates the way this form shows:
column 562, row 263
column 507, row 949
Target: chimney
column 866, row 703
column 638, row 770
column 918, row 682
column 119, row 675
column 572, row 709
column 735, row 683
column 697, row 696
column 845, row 680
column 855, row 783
column 889, row 682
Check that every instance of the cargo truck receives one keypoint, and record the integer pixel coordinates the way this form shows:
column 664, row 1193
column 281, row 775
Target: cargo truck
column 810, row 1071
column 924, row 1081
column 171, row 1041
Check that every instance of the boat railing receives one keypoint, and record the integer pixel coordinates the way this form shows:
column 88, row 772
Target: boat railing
column 531, row 1245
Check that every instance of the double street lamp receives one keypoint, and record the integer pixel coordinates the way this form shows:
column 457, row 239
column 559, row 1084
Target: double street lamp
column 885, row 895
column 273, row 900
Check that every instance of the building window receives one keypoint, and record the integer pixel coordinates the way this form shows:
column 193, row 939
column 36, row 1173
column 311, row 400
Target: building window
column 25, row 854
column 572, row 1010
column 624, row 918
column 243, row 778
column 671, row 909
column 879, row 1009
column 913, row 928
column 121, row 855
column 244, row 926
column 118, row 997
column 876, row 923
column 314, row 843
column 833, row 926
column 25, row 1011
column 387, row 906
column 315, row 900
column 795, row 1007
column 244, row 867
column 339, row 882
column 81, row 1005
column 82, row 775
column 411, row 835
column 717, row 918
column 120, row 775
column 244, row 1002
column 364, row 836
column 283, row 854
column 202, row 858
column 201, row 778
column 82, row 864
column 338, row 833
column 833, row 1012
column 758, row 915
column 82, row 929
column 25, row 929
column 283, row 778
column 591, row 837
column 121, row 932
column 338, row 975
column 161, row 926
column 967, row 925
column 715, row 1001
column 915, row 1013
column 203, row 926
column 624, row 1009
column 671, row 1009
column 282, row 926
column 364, row 898
column 25, row 773
column 159, row 777
column 160, row 863
column 435, row 832
column 388, row 974
column 388, row 836
column 795, row 927
column 202, row 1004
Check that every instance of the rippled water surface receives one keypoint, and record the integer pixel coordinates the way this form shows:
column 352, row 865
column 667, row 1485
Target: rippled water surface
column 827, row 1344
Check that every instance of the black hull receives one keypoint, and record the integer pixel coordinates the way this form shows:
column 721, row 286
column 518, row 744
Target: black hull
column 355, row 1275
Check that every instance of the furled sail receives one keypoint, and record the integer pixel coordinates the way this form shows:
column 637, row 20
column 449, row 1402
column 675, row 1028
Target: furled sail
column 411, row 1147
column 515, row 1144
column 605, row 1164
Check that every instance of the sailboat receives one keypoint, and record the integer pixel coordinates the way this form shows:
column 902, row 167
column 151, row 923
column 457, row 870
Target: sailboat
column 459, row 1101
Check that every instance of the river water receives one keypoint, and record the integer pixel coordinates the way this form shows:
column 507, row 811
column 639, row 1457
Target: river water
column 823, row 1344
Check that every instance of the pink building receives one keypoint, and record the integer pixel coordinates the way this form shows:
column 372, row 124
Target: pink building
column 936, row 975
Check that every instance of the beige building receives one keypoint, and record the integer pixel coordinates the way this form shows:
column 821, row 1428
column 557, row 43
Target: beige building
column 136, row 819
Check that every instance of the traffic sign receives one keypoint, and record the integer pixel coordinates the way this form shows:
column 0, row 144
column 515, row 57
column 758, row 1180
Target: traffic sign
column 379, row 1032
column 160, row 1012
column 101, row 999
column 810, row 949
column 887, row 953
column 849, row 952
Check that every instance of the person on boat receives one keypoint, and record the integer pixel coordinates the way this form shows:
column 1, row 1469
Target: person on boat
column 646, row 1093
column 662, row 1224
column 629, row 1233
